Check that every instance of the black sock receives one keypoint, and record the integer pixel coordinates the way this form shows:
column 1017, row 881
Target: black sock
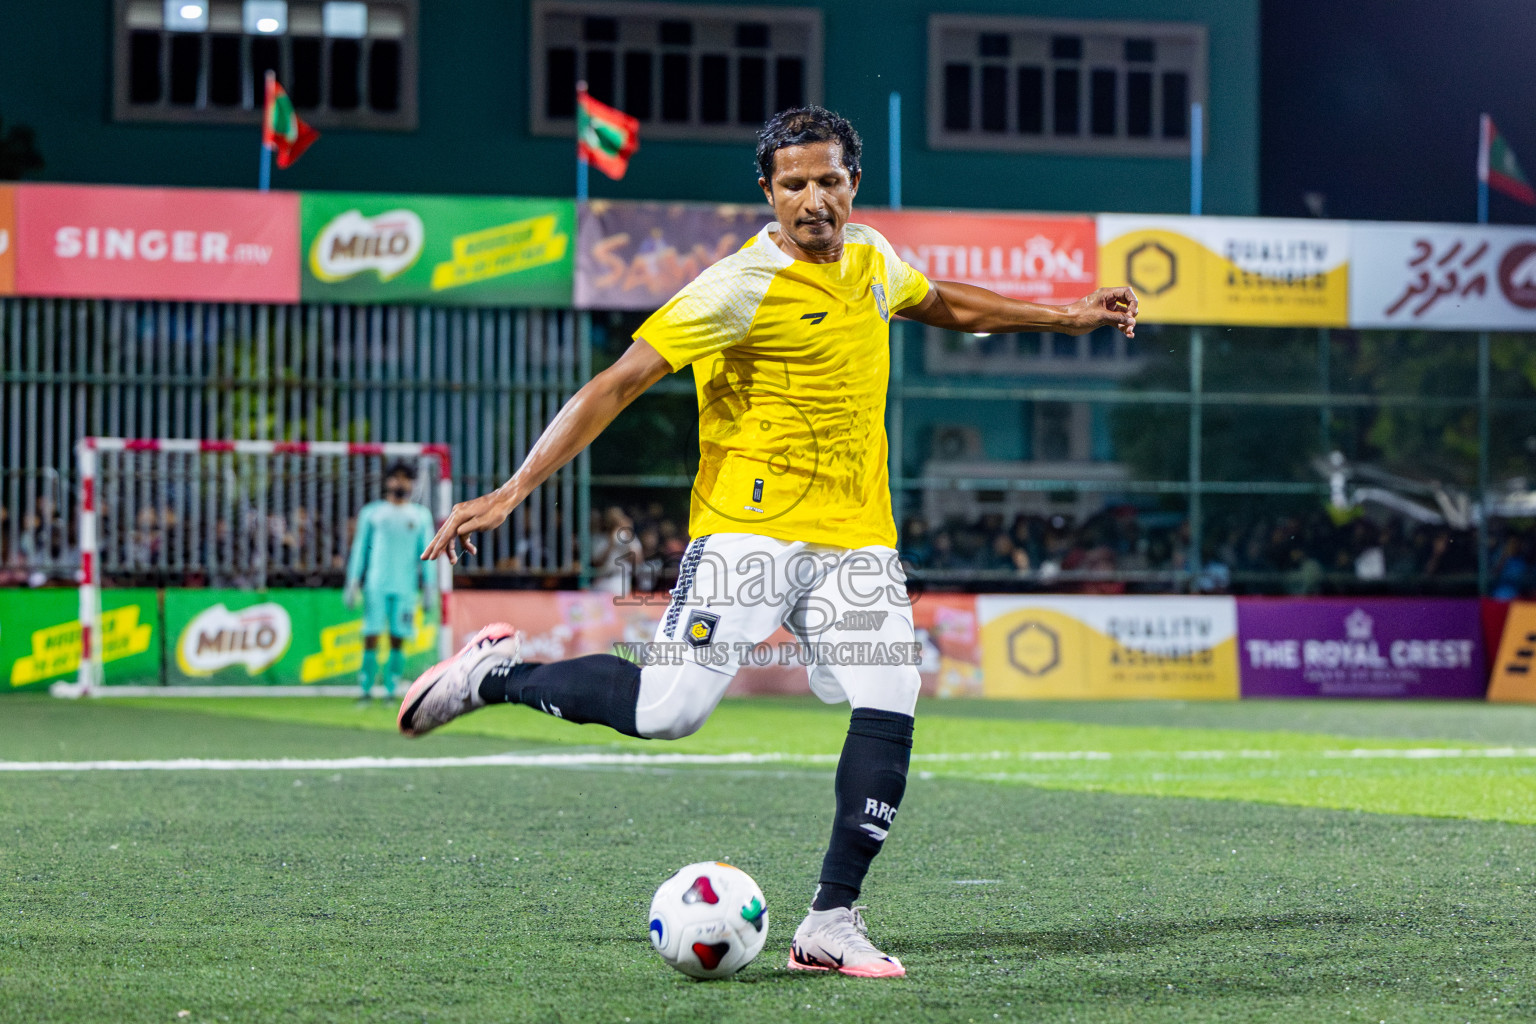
column 601, row 688
column 871, row 778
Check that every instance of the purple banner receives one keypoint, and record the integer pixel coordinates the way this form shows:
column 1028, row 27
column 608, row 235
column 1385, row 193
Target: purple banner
column 638, row 255
column 1371, row 648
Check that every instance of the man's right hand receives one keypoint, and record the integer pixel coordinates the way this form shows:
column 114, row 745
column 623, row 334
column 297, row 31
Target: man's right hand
column 483, row 513
column 352, row 596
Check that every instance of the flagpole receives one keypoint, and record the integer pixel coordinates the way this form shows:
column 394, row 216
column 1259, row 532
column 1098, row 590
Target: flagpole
column 1484, row 144
column 1196, row 158
column 264, row 176
column 581, row 161
column 894, row 115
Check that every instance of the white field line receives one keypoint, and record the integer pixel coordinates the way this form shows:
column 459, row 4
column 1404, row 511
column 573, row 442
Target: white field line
column 585, row 760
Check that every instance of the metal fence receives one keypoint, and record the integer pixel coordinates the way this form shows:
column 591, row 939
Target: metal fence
column 482, row 381
column 485, row 382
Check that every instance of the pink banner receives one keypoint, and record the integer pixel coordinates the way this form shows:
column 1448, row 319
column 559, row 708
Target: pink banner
column 153, row 243
column 568, row 624
column 1053, row 260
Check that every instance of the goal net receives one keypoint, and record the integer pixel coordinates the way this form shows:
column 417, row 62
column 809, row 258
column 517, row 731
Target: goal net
column 210, row 517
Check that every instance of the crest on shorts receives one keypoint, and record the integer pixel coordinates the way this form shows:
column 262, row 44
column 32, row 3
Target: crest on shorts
column 700, row 631
column 879, row 290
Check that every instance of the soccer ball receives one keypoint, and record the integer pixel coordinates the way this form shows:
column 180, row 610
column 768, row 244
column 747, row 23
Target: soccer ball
column 709, row 920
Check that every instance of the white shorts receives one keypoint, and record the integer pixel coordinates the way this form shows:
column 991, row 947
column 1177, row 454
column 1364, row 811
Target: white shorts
column 847, row 607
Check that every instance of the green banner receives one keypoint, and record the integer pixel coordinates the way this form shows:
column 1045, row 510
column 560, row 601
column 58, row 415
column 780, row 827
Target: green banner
column 275, row 637
column 465, row 250
column 40, row 637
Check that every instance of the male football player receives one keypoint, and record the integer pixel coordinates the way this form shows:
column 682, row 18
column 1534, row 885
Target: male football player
column 385, row 571
column 791, row 519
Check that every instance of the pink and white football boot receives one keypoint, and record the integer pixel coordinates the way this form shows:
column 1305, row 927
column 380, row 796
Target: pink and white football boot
column 452, row 688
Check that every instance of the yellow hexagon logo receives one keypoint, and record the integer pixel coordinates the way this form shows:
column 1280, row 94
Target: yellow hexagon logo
column 1151, row 268
column 1034, row 649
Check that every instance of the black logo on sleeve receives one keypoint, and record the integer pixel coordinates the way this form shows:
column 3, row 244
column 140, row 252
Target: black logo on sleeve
column 814, row 318
column 700, row 631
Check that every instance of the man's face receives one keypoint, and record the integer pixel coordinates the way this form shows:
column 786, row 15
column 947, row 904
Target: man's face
column 397, row 487
column 811, row 194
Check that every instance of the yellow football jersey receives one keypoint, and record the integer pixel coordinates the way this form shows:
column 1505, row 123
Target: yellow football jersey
column 791, row 362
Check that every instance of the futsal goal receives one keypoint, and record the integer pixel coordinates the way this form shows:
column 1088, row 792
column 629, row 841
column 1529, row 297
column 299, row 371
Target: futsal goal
column 178, row 517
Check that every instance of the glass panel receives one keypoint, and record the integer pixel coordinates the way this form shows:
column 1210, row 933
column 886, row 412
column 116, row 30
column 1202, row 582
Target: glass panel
column 637, row 84
column 186, row 68
column 675, row 86
column 957, row 97
column 714, row 89
column 305, row 88
column 560, row 82
column 1031, row 101
column 751, row 90
column 600, row 76
column 144, row 67
column 1102, row 88
column 224, row 71
column 346, row 91
column 1138, row 104
column 384, row 76
column 1175, row 105
column 994, row 99
column 789, row 83
column 1065, row 81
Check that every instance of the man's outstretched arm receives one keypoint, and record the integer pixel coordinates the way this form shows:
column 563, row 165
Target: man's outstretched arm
column 964, row 307
column 578, row 423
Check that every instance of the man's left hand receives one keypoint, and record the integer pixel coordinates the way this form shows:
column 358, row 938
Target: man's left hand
column 1114, row 307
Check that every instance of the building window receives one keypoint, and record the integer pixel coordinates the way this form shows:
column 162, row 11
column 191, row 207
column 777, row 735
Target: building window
column 685, row 71
column 1049, row 85
column 344, row 63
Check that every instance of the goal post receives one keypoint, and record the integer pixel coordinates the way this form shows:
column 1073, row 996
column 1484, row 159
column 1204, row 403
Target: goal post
column 232, row 513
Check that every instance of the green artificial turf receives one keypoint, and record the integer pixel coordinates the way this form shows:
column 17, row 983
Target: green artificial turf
column 483, row 894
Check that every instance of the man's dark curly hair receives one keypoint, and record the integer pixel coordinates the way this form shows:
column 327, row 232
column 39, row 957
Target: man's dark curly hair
column 801, row 125
column 400, row 468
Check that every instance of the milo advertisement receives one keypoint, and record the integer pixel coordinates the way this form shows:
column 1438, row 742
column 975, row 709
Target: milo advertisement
column 40, row 637
column 275, row 637
column 463, row 250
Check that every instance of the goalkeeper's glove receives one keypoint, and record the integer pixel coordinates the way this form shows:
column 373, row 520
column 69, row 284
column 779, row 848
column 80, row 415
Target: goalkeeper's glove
column 353, row 596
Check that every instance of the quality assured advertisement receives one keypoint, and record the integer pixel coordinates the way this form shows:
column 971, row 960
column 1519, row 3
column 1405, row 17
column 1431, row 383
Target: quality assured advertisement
column 464, row 250
column 1109, row 648
column 211, row 245
column 1230, row 270
column 1447, row 276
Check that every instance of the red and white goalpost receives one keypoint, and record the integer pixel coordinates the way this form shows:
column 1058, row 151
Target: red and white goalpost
column 173, row 509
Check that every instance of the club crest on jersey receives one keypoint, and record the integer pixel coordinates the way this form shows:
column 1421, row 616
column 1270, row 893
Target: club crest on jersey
column 879, row 290
column 700, row 630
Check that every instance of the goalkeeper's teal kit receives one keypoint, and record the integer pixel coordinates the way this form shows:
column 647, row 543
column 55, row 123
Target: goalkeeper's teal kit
column 386, row 560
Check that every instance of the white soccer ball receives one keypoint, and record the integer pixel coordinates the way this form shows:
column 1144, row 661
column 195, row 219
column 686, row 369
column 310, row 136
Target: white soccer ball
column 709, row 920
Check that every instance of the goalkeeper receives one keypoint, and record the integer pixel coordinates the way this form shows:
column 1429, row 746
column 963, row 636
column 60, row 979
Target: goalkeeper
column 385, row 572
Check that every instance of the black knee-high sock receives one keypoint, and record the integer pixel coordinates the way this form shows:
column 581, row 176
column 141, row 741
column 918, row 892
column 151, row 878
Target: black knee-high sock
column 871, row 778
column 601, row 688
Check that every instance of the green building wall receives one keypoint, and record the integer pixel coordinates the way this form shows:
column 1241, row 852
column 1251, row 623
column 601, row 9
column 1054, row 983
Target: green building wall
column 56, row 75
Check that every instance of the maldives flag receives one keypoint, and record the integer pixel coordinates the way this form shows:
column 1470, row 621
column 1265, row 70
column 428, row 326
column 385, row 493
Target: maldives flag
column 281, row 130
column 1496, row 165
column 605, row 137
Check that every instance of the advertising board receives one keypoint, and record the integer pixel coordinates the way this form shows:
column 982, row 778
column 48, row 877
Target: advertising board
column 1110, row 648
column 1444, row 276
column 1230, row 270
column 213, row 245
column 460, row 250
column 1376, row 648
